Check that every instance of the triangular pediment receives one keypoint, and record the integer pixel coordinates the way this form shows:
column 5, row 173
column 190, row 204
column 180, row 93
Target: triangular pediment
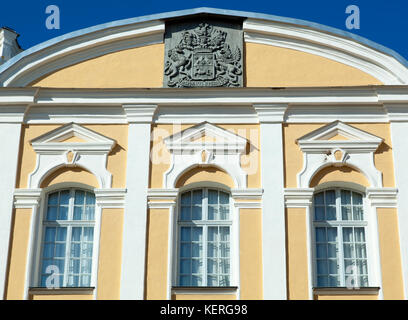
column 72, row 136
column 341, row 135
column 205, row 136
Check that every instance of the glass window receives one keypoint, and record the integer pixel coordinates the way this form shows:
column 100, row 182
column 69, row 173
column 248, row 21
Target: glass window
column 340, row 242
column 68, row 236
column 204, row 226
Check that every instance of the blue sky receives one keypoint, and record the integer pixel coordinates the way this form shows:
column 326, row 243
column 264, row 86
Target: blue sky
column 384, row 22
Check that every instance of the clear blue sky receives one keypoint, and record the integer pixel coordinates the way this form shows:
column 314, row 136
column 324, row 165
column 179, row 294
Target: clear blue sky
column 384, row 22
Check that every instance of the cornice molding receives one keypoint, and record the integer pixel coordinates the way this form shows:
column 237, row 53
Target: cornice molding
column 139, row 113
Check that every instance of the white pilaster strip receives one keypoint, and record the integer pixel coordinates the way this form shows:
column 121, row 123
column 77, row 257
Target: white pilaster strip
column 399, row 131
column 137, row 176
column 273, row 203
column 10, row 131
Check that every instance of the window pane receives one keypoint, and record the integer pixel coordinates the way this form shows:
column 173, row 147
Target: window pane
column 332, row 234
column 331, row 213
column 185, row 266
column 225, row 266
column 61, row 234
column 330, row 197
column 197, row 197
column 345, row 197
column 322, row 251
column 88, row 234
column 348, row 250
column 185, row 233
column 90, row 199
column 212, row 213
column 357, row 199
column 196, row 280
column 79, row 197
column 48, row 251
column 185, row 213
column 333, row 266
column 197, row 266
column 212, row 266
column 319, row 213
column 224, row 233
column 212, row 233
column 186, row 198
column 185, row 250
column 52, row 213
column 334, row 281
column 53, row 199
column 319, row 198
column 346, row 213
column 63, row 213
column 89, row 213
column 348, row 234
column 332, row 250
column 60, row 250
column 196, row 249
column 363, row 281
column 224, row 212
column 212, row 281
column 185, row 281
column 224, row 250
column 64, row 197
column 197, row 215
column 212, row 197
column 359, row 234
column 49, row 234
column 76, row 234
column 224, row 198
column 322, row 267
column 322, row 281
column 212, row 250
column 197, row 234
column 321, row 234
column 357, row 213
column 361, row 251
column 78, row 213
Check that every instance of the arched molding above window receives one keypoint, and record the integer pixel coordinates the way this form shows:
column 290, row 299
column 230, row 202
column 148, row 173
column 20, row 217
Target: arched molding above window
column 188, row 151
column 339, row 145
column 53, row 153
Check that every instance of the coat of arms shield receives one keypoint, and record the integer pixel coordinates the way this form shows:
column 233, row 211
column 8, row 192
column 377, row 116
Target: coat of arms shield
column 203, row 66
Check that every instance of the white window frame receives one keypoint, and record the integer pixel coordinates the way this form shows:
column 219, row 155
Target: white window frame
column 233, row 235
column 39, row 233
column 366, row 223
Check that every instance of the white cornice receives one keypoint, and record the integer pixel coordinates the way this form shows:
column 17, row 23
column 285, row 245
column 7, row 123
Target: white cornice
column 381, row 66
column 27, row 198
column 80, row 48
column 110, row 198
column 298, row 197
column 383, row 197
column 139, row 113
column 270, row 113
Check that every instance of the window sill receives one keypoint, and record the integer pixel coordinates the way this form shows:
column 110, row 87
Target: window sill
column 203, row 290
column 346, row 291
column 61, row 291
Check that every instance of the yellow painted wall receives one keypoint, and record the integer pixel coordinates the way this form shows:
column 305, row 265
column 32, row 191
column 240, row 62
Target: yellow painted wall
column 18, row 256
column 383, row 158
column 157, row 252
column 110, row 254
column 296, row 254
column 266, row 66
column 199, row 174
column 250, row 253
column 132, row 68
column 343, row 173
column 116, row 163
column 269, row 66
column 70, row 174
column 161, row 159
column 390, row 253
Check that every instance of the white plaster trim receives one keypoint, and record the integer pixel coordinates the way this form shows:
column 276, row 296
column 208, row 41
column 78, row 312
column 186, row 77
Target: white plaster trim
column 161, row 204
column 12, row 114
column 298, row 197
column 167, row 197
column 110, row 198
column 27, row 198
column 270, row 113
column 250, row 193
column 132, row 283
column 224, row 153
column 347, row 51
column 383, row 197
column 248, row 204
column 357, row 152
column 204, row 290
column 82, row 48
column 273, row 212
column 139, row 113
column 53, row 154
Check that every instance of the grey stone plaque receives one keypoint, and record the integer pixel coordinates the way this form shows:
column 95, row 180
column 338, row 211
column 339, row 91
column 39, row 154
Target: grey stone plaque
column 203, row 53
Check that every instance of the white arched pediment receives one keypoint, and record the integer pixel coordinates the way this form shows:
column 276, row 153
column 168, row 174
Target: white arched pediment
column 350, row 147
column 53, row 153
column 75, row 47
column 205, row 145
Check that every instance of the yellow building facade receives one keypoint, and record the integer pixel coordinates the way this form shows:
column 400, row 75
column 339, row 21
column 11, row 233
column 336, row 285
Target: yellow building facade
column 268, row 167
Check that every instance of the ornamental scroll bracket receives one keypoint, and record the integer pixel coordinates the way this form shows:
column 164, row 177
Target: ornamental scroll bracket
column 203, row 53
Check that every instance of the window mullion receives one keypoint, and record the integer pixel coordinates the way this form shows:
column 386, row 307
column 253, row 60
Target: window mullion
column 205, row 237
column 341, row 256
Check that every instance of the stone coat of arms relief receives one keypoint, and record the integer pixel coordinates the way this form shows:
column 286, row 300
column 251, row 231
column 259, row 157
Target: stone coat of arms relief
column 204, row 56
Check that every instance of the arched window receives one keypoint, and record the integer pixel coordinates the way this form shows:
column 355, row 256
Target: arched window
column 204, row 229
column 340, row 239
column 67, row 238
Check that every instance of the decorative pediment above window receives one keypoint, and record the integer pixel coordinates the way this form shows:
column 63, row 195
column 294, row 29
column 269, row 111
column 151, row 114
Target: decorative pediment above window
column 339, row 144
column 205, row 145
column 69, row 146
